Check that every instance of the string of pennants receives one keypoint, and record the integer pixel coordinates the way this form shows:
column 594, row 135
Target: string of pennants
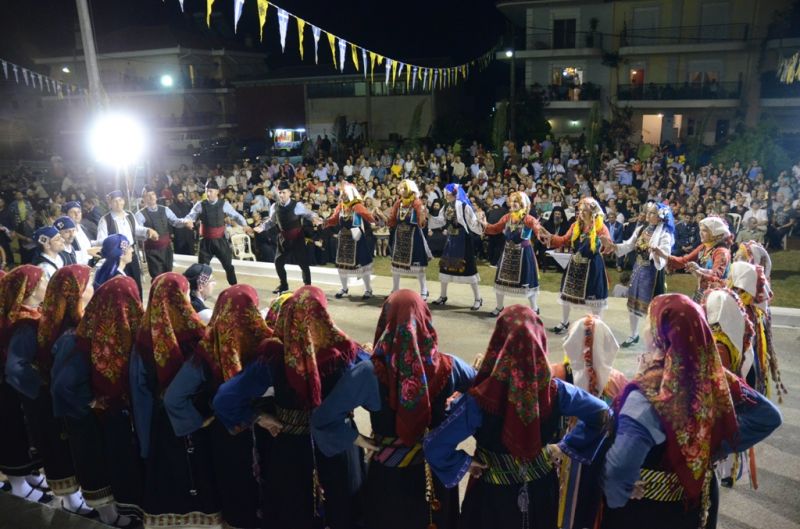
column 789, row 69
column 363, row 60
column 33, row 80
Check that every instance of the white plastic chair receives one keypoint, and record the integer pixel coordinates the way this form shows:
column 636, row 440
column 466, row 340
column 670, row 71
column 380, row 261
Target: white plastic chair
column 241, row 247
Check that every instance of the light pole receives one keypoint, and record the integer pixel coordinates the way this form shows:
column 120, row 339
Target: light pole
column 96, row 94
column 512, row 129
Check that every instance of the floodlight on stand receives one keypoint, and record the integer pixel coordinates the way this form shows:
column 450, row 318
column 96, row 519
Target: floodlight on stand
column 167, row 81
column 117, row 140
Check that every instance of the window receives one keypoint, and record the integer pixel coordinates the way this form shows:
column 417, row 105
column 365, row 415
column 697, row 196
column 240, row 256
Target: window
column 566, row 76
column 564, row 31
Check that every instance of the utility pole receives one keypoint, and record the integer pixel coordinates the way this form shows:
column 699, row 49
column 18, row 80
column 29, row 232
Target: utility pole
column 512, row 90
column 96, row 93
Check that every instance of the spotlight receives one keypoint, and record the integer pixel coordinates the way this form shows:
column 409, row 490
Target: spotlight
column 167, row 81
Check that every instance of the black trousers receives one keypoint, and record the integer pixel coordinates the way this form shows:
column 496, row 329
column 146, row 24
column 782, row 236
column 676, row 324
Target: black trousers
column 221, row 249
column 158, row 261
column 296, row 250
column 134, row 270
column 184, row 241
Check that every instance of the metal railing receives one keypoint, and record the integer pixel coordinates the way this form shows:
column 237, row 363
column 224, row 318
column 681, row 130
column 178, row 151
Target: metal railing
column 680, row 91
column 564, row 40
column 706, row 34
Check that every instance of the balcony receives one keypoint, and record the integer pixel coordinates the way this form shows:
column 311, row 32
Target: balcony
column 684, row 39
column 681, row 95
column 774, row 93
column 559, row 44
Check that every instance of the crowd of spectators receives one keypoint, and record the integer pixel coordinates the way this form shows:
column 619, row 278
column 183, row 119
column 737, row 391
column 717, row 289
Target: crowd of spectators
column 553, row 172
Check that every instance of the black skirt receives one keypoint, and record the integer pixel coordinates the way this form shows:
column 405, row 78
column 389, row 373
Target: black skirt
column 488, row 506
column 395, row 499
column 178, row 479
column 236, row 485
column 16, row 455
column 49, row 436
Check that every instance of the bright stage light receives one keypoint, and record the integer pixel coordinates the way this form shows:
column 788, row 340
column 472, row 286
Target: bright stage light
column 117, row 140
column 65, row 69
column 509, row 53
column 167, row 81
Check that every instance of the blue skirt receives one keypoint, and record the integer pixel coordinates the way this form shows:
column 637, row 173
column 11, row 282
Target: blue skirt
column 409, row 252
column 584, row 281
column 646, row 283
column 517, row 273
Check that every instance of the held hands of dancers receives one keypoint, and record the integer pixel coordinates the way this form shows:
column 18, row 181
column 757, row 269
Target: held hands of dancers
column 544, row 236
column 638, row 490
column 152, row 234
column 609, row 246
column 271, row 424
column 659, row 252
column 476, row 469
column 188, row 224
column 555, row 453
column 366, row 444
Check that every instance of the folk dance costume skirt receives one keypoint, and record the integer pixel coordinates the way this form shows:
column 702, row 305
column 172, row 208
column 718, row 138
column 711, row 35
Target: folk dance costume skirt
column 458, row 264
column 584, row 282
column 646, row 283
column 17, row 457
column 517, row 272
column 236, row 485
column 410, row 253
column 395, row 490
column 354, row 257
column 179, row 486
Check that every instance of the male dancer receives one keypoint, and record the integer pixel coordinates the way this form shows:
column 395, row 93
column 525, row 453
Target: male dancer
column 158, row 252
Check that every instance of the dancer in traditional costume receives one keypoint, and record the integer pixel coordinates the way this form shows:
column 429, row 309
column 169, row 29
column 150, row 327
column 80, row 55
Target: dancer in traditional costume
column 50, row 245
column 303, row 363
column 458, row 262
column 584, row 283
column 649, row 271
column 91, row 391
column 410, row 252
column 679, row 414
column 754, row 253
column 710, row 261
column 161, row 219
column 27, row 370
column 405, row 387
column 356, row 244
column 117, row 253
column 517, row 271
column 234, row 332
column 17, row 461
column 179, row 487
column 201, row 287
column 514, row 411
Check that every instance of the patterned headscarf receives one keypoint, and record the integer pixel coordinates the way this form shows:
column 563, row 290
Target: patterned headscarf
column 729, row 322
column 275, row 310
column 408, row 363
column 591, row 348
column 169, row 323
column 61, row 309
column 106, row 333
column 304, row 319
column 234, row 332
column 15, row 287
column 689, row 391
column 514, row 380
column 754, row 253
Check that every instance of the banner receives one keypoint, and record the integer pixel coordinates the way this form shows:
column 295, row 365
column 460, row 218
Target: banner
column 301, row 26
column 263, row 6
column 342, row 49
column 209, row 5
column 31, row 79
column 316, row 32
column 238, row 5
column 332, row 43
column 283, row 22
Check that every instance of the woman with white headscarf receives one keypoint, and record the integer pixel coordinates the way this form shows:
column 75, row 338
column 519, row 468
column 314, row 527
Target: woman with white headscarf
column 710, row 261
column 458, row 262
column 649, row 272
column 754, row 253
column 410, row 252
column 356, row 246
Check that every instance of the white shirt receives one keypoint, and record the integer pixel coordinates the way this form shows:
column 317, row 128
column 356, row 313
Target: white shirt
column 123, row 228
column 48, row 265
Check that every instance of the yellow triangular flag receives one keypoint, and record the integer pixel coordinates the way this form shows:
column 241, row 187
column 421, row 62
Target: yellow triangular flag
column 301, row 26
column 355, row 55
column 394, row 71
column 408, row 76
column 372, row 57
column 263, row 5
column 209, row 3
column 332, row 42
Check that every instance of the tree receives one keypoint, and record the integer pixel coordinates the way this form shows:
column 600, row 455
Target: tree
column 593, row 131
column 620, row 127
column 759, row 143
column 530, row 119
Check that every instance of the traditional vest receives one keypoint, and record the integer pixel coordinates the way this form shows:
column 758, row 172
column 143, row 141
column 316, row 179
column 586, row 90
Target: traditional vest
column 111, row 225
column 157, row 220
column 213, row 218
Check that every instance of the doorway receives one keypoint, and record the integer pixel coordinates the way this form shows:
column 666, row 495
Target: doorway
column 651, row 128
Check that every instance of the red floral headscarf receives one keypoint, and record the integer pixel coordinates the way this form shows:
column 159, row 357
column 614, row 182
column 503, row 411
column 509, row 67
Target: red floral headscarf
column 275, row 309
column 234, row 332
column 169, row 322
column 106, row 333
column 689, row 391
column 407, row 361
column 61, row 309
column 309, row 356
column 514, row 380
column 15, row 287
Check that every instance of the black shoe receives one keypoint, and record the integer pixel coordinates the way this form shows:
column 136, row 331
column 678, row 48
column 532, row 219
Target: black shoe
column 630, row 341
column 538, row 312
column 424, row 296
column 342, row 293
column 281, row 289
column 726, row 482
column 561, row 328
column 439, row 301
column 496, row 312
column 477, row 305
column 367, row 295
column 6, row 487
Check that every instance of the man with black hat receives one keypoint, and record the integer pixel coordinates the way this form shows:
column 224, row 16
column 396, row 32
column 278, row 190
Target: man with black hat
column 82, row 239
column 120, row 221
column 287, row 213
column 212, row 212
column 66, row 228
column 158, row 252
column 50, row 246
column 201, row 286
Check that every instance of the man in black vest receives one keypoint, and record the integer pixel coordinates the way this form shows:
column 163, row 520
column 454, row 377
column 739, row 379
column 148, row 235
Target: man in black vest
column 287, row 213
column 117, row 220
column 158, row 253
column 66, row 227
column 184, row 237
column 212, row 212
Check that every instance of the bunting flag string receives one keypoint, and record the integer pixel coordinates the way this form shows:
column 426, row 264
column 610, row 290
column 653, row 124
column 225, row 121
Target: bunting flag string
column 35, row 80
column 431, row 78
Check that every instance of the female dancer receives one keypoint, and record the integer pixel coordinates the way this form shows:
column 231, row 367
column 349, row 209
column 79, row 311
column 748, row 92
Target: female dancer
column 649, row 275
column 680, row 413
column 517, row 272
column 514, row 411
column 356, row 244
column 410, row 252
column 178, row 485
column 405, row 387
column 457, row 263
column 584, row 282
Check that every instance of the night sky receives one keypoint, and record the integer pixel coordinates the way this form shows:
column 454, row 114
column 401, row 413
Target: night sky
column 447, row 32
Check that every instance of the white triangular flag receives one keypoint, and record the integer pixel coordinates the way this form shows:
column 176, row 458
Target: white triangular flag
column 16, row 73
column 5, row 69
column 181, row 3
column 238, row 5
column 342, row 49
column 25, row 76
column 414, row 78
column 388, row 68
column 41, row 84
column 316, row 32
column 283, row 22
column 48, row 85
column 400, row 70
column 424, row 78
column 364, row 61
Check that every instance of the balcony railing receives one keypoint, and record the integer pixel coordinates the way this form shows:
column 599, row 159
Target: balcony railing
column 565, row 40
column 680, row 91
column 772, row 87
column 707, row 34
